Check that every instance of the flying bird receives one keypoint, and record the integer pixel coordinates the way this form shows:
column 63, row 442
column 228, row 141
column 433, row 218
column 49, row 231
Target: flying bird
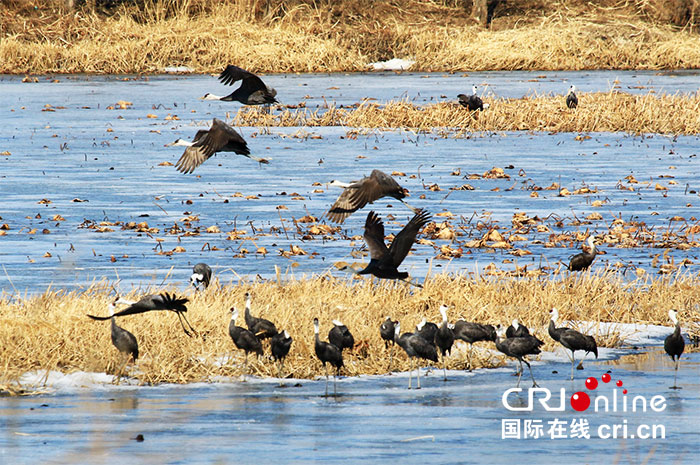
column 252, row 91
column 674, row 345
column 221, row 137
column 472, row 102
column 384, row 262
column 357, row 194
column 571, row 99
column 123, row 340
column 201, row 275
column 583, row 260
column 152, row 302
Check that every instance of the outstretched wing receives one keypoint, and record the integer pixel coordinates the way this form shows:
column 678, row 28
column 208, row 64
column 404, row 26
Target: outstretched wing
column 220, row 137
column 373, row 187
column 191, row 159
column 404, row 240
column 374, row 236
column 251, row 82
column 344, row 206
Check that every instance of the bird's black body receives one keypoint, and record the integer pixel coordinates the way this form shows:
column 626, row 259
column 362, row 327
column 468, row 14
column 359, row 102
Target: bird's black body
column 153, row 302
column 574, row 341
column 519, row 331
column 427, row 330
column 340, row 336
column 358, row 194
column 244, row 339
column 571, row 99
column 385, row 261
column 252, row 91
column 583, row 260
column 472, row 102
column 471, row 332
column 221, row 137
column 417, row 347
column 386, row 331
column 280, row 344
column 554, row 332
column 327, row 353
column 201, row 274
column 261, row 327
column 124, row 341
column 444, row 339
column 518, row 348
column 674, row 345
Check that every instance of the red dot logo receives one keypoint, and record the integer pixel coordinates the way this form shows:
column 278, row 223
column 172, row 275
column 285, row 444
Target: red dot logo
column 619, row 383
column 606, row 378
column 591, row 383
column 580, row 401
column 624, row 391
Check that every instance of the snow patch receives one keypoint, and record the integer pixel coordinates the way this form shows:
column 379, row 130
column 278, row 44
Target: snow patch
column 395, row 64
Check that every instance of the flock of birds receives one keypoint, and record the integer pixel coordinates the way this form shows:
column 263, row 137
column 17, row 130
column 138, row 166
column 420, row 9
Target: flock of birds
column 427, row 340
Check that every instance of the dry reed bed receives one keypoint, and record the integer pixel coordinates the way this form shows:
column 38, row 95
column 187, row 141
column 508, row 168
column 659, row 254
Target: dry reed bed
column 307, row 39
column 604, row 112
column 51, row 331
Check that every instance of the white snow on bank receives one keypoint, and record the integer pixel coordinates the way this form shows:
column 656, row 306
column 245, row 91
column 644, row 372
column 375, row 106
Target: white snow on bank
column 395, row 64
column 178, row 69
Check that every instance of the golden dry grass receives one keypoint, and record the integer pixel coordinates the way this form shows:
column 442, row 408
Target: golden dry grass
column 51, row 331
column 613, row 111
column 269, row 36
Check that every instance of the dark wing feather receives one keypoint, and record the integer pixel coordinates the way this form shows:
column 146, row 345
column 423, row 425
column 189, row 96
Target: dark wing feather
column 251, row 83
column 223, row 137
column 404, row 240
column 191, row 159
column 343, row 206
column 373, row 187
column 374, row 236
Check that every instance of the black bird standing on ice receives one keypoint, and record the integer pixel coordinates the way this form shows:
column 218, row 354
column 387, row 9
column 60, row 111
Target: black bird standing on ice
column 384, row 262
column 571, row 99
column 201, row 274
column 517, row 330
column 243, row 339
column 123, row 340
column 219, row 138
column 519, row 347
column 472, row 102
column 252, row 91
column 471, row 332
column 444, row 338
column 674, row 345
column 261, row 327
column 328, row 353
column 583, row 260
column 359, row 193
column 386, row 331
column 415, row 347
column 572, row 340
column 152, row 302
column 280, row 344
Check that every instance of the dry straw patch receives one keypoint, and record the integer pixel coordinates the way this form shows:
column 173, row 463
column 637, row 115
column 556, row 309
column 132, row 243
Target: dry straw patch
column 612, row 111
column 51, row 331
column 325, row 36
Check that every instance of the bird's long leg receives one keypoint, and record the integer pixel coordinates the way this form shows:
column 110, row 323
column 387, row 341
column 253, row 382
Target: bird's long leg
column 534, row 383
column 180, row 317
column 520, row 373
column 335, row 382
column 418, row 373
column 469, row 356
column 580, row 364
column 413, row 209
column 326, row 367
column 121, row 368
column 675, row 374
column 573, row 362
column 410, row 371
column 245, row 365
column 444, row 368
column 391, row 357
